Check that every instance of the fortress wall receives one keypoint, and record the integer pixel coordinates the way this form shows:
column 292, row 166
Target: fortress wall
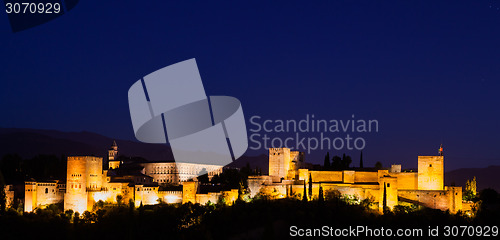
column 76, row 202
column 110, row 192
column 449, row 199
column 255, row 183
column 360, row 191
column 47, row 193
column 326, row 176
column 204, row 198
column 229, row 197
column 145, row 195
column 348, row 176
column 278, row 190
column 407, row 180
column 170, row 196
column 360, row 177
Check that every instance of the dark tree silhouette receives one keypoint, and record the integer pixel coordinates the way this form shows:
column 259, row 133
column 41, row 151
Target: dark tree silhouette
column 2, row 194
column 378, row 165
column 320, row 196
column 384, row 201
column 326, row 164
column 304, row 197
column 346, row 161
column 361, row 160
column 310, row 186
column 336, row 163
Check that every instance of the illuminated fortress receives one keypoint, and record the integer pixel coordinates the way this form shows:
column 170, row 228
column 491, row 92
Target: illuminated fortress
column 150, row 183
column 425, row 187
column 142, row 183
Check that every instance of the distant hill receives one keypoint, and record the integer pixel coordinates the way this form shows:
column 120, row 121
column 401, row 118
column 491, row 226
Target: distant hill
column 30, row 142
column 488, row 177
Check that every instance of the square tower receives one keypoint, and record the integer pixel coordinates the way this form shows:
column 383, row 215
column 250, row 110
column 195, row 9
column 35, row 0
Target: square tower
column 84, row 174
column 279, row 163
column 430, row 172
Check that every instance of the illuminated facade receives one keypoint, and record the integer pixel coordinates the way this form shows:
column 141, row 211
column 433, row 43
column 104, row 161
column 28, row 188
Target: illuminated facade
column 425, row 187
column 41, row 194
column 169, row 182
column 142, row 183
column 174, row 173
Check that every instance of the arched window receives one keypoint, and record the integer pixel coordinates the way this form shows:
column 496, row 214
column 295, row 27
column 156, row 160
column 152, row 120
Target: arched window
column 46, row 190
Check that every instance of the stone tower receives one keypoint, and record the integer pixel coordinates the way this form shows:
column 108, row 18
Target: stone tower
column 189, row 190
column 113, row 163
column 279, row 163
column 430, row 172
column 84, row 174
column 296, row 163
column 29, row 196
column 390, row 184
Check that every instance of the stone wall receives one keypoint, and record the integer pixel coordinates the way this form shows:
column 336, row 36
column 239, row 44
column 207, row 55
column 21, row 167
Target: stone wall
column 449, row 199
column 361, row 177
column 407, row 180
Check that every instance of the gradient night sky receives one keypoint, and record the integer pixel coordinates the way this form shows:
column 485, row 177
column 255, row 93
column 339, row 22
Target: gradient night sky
column 428, row 72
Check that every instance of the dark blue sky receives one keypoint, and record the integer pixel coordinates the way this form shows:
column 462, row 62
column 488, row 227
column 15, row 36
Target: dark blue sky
column 428, row 72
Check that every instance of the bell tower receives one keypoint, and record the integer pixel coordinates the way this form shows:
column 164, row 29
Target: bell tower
column 113, row 163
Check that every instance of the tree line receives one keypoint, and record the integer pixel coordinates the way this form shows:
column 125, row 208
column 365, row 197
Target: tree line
column 338, row 163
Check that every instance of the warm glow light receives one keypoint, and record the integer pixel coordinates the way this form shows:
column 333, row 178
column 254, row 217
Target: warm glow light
column 100, row 196
column 171, row 198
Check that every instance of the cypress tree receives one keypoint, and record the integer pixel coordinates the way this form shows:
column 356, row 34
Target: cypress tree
column 384, row 202
column 304, row 198
column 320, row 197
column 310, row 186
column 326, row 164
column 361, row 160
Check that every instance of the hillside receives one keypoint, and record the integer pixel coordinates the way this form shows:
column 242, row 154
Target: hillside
column 488, row 177
column 30, row 142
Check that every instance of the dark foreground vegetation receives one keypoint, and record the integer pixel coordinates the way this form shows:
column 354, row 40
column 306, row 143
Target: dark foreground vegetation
column 259, row 219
